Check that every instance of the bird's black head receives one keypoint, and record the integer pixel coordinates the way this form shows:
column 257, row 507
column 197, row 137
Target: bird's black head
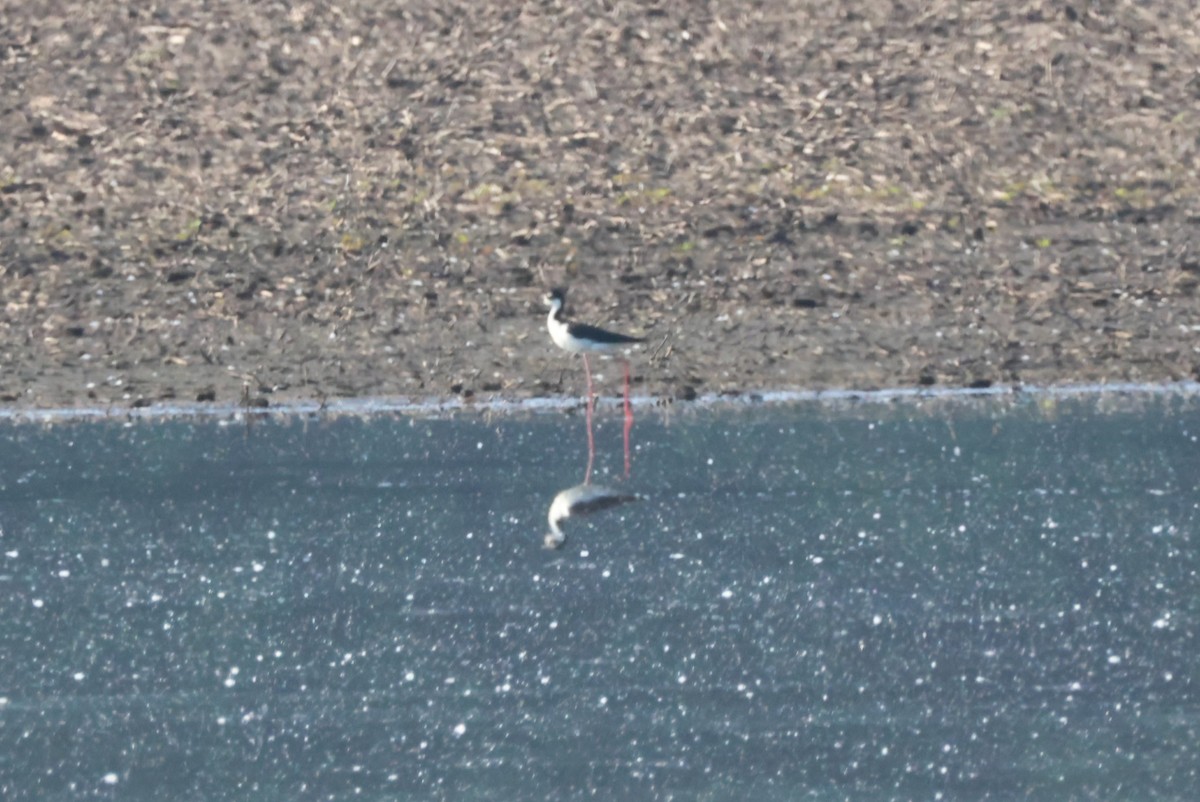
column 556, row 296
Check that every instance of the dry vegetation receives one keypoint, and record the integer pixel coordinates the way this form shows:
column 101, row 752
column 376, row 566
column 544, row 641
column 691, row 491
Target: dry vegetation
column 317, row 200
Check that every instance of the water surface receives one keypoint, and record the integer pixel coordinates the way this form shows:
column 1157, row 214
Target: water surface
column 980, row 598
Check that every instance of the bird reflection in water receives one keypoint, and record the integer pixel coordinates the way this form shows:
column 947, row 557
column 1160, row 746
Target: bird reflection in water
column 584, row 499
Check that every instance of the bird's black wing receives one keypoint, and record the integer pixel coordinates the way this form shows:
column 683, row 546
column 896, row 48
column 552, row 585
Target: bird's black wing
column 599, row 335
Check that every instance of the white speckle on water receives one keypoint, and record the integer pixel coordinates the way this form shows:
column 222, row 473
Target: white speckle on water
column 1114, row 659
column 13, row 554
column 603, row 701
column 554, row 625
column 816, row 560
column 583, row 552
column 110, row 778
column 460, row 729
column 38, row 603
column 727, row 594
column 1162, row 622
column 877, row 620
column 257, row 567
column 270, row 534
column 78, row 676
column 409, row 676
column 63, row 573
column 449, row 681
column 681, row 679
column 606, row 573
column 676, row 556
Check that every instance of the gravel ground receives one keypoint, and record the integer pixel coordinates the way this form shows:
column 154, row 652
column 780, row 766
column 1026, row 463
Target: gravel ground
column 210, row 201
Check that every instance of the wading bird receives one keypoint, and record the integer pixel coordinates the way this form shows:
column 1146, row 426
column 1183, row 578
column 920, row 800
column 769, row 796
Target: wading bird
column 580, row 338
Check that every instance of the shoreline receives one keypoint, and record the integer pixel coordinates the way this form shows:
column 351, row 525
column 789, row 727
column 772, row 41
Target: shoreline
column 435, row 408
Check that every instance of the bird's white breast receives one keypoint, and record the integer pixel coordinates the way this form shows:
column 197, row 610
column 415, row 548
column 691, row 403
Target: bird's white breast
column 561, row 336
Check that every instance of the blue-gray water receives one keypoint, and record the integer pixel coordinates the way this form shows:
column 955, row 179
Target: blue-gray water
column 974, row 599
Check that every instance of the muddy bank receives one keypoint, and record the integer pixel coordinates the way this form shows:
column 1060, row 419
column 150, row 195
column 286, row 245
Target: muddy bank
column 205, row 202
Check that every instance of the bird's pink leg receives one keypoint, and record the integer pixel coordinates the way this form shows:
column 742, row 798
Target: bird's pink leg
column 587, row 477
column 628, row 420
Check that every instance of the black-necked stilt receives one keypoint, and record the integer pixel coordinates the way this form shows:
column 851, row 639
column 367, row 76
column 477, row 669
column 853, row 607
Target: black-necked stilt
column 580, row 500
column 580, row 338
